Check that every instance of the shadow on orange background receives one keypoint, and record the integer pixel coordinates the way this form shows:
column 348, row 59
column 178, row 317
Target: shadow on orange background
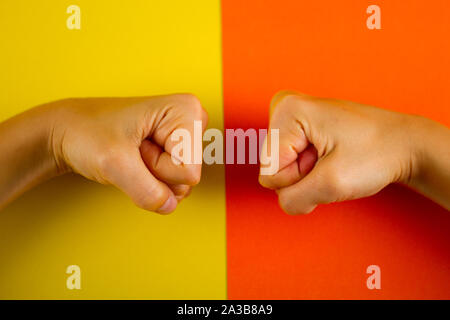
column 324, row 48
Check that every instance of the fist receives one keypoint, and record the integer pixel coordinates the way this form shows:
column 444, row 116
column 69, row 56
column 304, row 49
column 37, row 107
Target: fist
column 126, row 142
column 333, row 150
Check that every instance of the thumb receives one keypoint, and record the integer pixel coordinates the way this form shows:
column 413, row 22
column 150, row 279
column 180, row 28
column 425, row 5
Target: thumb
column 292, row 142
column 321, row 185
column 127, row 171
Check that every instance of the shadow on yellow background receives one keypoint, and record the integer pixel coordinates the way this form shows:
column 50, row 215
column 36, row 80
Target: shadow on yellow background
column 123, row 49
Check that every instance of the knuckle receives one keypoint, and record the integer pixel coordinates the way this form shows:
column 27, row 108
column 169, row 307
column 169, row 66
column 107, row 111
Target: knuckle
column 191, row 107
column 281, row 95
column 193, row 175
column 151, row 201
column 287, row 101
column 285, row 202
column 180, row 189
column 262, row 180
column 292, row 205
column 277, row 101
column 142, row 203
column 188, row 192
column 309, row 209
column 111, row 159
column 336, row 185
column 191, row 101
column 157, row 197
column 266, row 181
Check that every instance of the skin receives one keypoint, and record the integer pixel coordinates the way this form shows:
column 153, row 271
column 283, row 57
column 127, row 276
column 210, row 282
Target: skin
column 123, row 142
column 330, row 150
column 334, row 150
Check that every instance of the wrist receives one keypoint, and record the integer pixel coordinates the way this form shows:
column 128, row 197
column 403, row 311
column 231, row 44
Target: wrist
column 417, row 129
column 45, row 118
column 55, row 132
column 432, row 155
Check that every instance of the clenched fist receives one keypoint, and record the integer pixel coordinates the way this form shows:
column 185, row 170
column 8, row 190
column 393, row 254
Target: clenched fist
column 120, row 141
column 333, row 150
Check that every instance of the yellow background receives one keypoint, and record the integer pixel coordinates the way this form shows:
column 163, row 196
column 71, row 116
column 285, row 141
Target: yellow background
column 124, row 48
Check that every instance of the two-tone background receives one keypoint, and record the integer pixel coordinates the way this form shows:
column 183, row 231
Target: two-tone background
column 229, row 239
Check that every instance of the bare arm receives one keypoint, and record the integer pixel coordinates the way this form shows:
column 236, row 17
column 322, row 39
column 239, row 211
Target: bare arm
column 119, row 141
column 26, row 153
column 432, row 176
column 334, row 150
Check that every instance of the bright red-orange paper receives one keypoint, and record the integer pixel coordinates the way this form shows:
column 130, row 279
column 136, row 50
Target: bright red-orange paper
column 324, row 48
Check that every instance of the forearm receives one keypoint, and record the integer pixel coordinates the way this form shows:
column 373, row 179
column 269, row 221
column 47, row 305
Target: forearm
column 26, row 152
column 432, row 175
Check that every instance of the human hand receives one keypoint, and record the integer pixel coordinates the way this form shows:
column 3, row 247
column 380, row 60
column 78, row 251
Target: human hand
column 333, row 150
column 126, row 142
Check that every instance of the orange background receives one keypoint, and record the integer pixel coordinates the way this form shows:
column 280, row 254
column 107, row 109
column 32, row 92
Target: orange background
column 324, row 48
